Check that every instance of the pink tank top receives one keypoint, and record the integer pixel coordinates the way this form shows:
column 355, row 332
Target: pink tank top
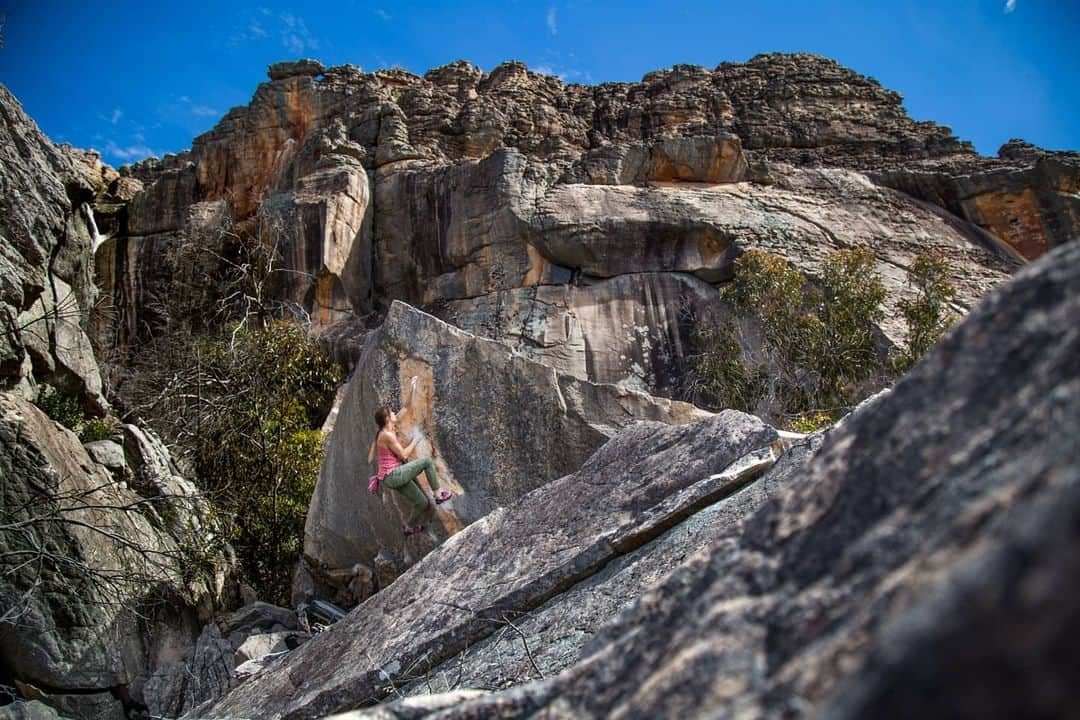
column 387, row 461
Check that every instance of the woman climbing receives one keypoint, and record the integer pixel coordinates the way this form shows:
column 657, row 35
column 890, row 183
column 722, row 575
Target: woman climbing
column 400, row 475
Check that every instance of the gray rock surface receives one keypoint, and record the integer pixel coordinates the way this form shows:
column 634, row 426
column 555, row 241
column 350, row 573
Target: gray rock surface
column 32, row 710
column 106, row 600
column 45, row 271
column 497, row 423
column 647, row 479
column 921, row 564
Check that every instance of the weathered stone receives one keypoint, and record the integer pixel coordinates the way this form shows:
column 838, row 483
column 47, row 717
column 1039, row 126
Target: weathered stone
column 414, row 708
column 303, row 67
column 45, row 274
column 549, row 639
column 88, row 706
column 650, row 477
column 256, row 617
column 1027, row 199
column 322, row 228
column 498, row 425
column 457, row 232
column 108, row 453
column 255, row 647
column 32, row 710
column 205, row 674
column 717, row 159
column 633, row 330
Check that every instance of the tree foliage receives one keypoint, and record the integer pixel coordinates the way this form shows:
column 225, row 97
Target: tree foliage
column 820, row 340
column 257, row 448
column 928, row 315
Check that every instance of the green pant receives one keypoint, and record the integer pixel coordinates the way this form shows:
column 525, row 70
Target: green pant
column 403, row 479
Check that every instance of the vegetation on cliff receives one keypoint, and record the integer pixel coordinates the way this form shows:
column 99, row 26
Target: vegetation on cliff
column 819, row 350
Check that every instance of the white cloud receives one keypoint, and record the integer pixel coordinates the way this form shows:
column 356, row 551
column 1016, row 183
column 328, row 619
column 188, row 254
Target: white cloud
column 552, row 25
column 290, row 29
column 295, row 35
column 113, row 117
column 127, row 153
column 1010, row 5
column 203, row 111
column 382, row 14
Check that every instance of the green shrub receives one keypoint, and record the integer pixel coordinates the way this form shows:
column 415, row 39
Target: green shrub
column 96, row 429
column 927, row 314
column 64, row 409
column 258, row 449
column 820, row 342
column 723, row 378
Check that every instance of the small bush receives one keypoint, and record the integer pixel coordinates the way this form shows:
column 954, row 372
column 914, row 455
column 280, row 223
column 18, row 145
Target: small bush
column 66, row 410
column 809, row 422
column 927, row 314
column 722, row 378
column 95, row 429
column 62, row 408
column 821, row 341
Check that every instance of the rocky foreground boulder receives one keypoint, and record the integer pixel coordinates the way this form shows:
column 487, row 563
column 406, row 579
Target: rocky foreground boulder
column 922, row 555
column 97, row 589
column 647, row 479
column 498, row 425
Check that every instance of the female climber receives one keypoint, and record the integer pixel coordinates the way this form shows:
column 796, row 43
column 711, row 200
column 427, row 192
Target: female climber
column 400, row 475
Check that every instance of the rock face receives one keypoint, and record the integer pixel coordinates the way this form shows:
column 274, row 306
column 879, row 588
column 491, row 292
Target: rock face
column 498, row 424
column 1027, row 198
column 647, row 479
column 102, row 597
column 514, row 205
column 46, row 288
column 927, row 549
column 96, row 594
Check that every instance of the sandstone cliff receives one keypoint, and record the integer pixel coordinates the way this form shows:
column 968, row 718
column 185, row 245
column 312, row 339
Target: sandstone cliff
column 584, row 225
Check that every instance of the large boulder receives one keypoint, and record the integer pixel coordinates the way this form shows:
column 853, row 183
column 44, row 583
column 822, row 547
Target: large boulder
column 97, row 593
column 497, row 424
column 922, row 564
column 646, row 480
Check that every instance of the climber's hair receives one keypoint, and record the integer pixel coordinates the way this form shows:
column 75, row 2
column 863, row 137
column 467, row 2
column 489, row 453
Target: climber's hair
column 382, row 415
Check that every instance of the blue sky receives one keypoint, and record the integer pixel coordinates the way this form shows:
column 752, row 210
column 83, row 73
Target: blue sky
column 134, row 79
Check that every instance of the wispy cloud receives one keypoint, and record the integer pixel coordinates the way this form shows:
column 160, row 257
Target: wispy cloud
column 289, row 29
column 1010, row 5
column 383, row 14
column 129, row 152
column 113, row 117
column 295, row 34
column 552, row 24
column 197, row 109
